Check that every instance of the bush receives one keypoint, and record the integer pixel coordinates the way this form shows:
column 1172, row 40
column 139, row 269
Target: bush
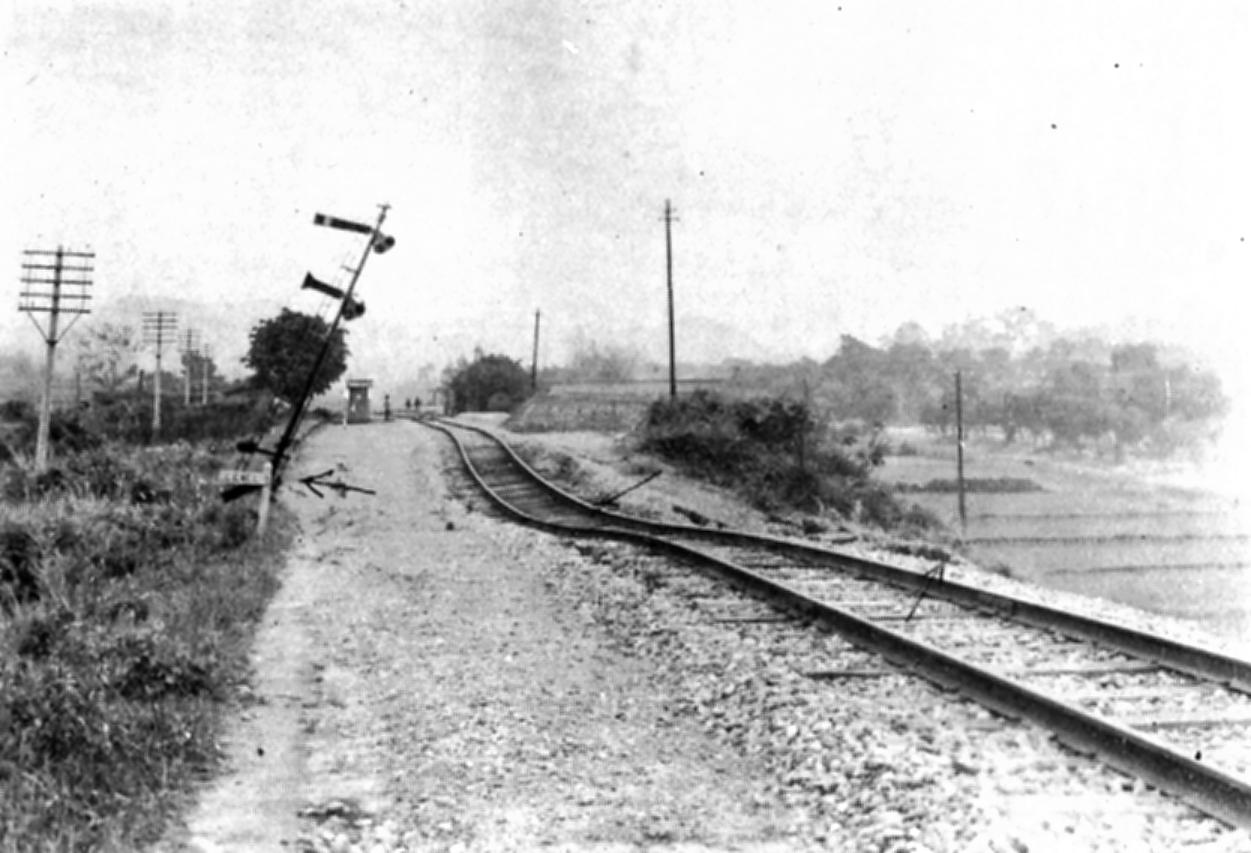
column 19, row 557
column 773, row 452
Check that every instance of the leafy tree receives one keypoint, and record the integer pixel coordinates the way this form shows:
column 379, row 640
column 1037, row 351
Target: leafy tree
column 858, row 384
column 106, row 356
column 488, row 383
column 282, row 351
column 610, row 364
column 1194, row 395
column 202, row 368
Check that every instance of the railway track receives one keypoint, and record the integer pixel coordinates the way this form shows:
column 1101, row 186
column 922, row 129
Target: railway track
column 1175, row 715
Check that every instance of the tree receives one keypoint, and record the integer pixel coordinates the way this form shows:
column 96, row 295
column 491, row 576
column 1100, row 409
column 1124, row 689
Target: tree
column 106, row 356
column 856, row 383
column 488, row 383
column 282, row 351
column 590, row 363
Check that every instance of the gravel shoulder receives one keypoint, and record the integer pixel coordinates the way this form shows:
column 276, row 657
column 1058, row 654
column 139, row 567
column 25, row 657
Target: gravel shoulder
column 420, row 685
column 431, row 677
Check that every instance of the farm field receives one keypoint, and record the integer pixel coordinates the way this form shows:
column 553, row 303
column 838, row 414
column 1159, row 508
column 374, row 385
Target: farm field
column 1096, row 530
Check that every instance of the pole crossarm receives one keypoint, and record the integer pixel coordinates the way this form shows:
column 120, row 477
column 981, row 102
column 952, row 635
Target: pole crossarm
column 64, row 253
column 55, row 267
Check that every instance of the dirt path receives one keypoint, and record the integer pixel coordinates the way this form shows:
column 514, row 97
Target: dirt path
column 421, row 686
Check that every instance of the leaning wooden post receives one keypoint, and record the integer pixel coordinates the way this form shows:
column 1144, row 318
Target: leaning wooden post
column 267, row 493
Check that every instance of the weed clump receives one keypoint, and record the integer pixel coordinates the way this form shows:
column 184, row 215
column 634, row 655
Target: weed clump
column 128, row 593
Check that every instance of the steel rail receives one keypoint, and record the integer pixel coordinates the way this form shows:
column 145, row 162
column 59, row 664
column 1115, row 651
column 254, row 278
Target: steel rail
column 1191, row 659
column 1212, row 791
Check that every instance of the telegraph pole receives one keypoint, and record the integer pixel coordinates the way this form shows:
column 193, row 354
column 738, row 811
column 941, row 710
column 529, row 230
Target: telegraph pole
column 673, row 375
column 206, row 358
column 190, row 351
column 534, row 361
column 964, row 520
column 158, row 329
column 53, row 289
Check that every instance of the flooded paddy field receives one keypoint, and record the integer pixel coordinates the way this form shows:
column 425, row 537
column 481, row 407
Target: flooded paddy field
column 1095, row 529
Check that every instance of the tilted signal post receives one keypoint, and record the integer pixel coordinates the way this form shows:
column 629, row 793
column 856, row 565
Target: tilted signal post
column 54, row 282
column 348, row 308
column 159, row 328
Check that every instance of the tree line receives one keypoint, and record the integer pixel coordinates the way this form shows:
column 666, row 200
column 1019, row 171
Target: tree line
column 1074, row 391
column 1022, row 381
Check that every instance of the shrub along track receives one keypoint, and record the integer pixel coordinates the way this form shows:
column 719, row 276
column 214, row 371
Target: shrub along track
column 1172, row 714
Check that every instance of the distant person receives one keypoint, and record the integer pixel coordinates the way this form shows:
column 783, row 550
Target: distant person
column 386, row 407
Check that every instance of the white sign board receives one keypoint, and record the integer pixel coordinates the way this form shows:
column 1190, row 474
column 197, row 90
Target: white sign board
column 243, row 478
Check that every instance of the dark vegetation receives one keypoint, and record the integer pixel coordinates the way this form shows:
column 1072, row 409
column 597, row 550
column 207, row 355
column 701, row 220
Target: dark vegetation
column 488, row 383
column 128, row 594
column 283, row 350
column 1022, row 381
column 979, row 485
column 778, row 455
column 125, row 416
column 129, row 590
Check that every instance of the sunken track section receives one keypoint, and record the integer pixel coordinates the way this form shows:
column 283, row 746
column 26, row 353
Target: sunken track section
column 1175, row 715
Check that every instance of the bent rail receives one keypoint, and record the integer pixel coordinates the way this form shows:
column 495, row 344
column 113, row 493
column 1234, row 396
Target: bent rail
column 1217, row 793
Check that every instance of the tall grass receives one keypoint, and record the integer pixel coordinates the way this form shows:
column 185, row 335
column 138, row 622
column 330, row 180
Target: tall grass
column 128, row 595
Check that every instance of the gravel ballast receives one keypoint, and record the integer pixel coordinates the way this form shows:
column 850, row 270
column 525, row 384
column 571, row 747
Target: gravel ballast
column 461, row 683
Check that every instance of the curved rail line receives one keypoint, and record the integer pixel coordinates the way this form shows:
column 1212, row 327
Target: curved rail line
column 1100, row 687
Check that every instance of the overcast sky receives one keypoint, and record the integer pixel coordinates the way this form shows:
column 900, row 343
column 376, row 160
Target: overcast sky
column 835, row 168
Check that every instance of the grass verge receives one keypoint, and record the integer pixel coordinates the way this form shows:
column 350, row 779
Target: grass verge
column 129, row 595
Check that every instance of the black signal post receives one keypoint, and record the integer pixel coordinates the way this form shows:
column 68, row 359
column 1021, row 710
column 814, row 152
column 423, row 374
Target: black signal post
column 377, row 242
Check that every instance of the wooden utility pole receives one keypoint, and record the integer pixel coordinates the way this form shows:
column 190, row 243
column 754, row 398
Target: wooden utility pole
column 673, row 374
column 534, row 361
column 158, row 330
column 964, row 520
column 206, row 359
column 190, row 351
column 53, row 289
